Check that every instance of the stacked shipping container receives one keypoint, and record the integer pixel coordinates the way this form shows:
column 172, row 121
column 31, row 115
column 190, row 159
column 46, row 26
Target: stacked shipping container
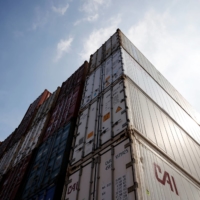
column 126, row 103
column 136, row 137
column 49, row 124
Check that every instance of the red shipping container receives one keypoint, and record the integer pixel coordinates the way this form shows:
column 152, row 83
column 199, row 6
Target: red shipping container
column 28, row 117
column 10, row 184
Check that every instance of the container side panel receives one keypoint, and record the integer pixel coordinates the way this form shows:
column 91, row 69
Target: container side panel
column 105, row 134
column 91, row 129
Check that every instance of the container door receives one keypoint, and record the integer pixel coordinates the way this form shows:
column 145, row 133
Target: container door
column 105, row 134
column 81, row 184
column 99, row 56
column 108, row 47
column 117, row 68
column 105, row 177
column 123, row 173
column 88, row 90
column 91, row 130
column 115, row 41
column 107, row 73
column 97, row 82
column 119, row 108
column 93, row 62
column 78, row 148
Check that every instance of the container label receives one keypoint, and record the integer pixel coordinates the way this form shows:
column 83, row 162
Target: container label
column 106, row 116
column 90, row 135
column 166, row 178
column 118, row 109
column 121, row 188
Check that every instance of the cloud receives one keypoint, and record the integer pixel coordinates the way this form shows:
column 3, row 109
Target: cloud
column 63, row 47
column 173, row 49
column 91, row 9
column 97, row 37
column 89, row 18
column 60, row 10
column 41, row 18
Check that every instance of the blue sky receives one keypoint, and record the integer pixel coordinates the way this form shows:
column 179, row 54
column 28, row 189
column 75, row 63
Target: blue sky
column 43, row 42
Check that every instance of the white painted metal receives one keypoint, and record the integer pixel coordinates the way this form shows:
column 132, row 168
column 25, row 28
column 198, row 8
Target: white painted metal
column 108, row 47
column 97, row 82
column 119, row 113
column 31, row 140
column 91, row 130
column 158, row 179
column 99, row 180
column 99, row 56
column 87, row 94
column 107, row 73
column 93, row 61
column 106, row 113
column 80, row 137
column 162, row 131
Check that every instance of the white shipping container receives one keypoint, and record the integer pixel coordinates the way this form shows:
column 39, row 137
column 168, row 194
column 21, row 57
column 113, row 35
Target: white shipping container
column 31, row 140
column 129, row 170
column 124, row 106
column 8, row 158
column 119, row 39
column 120, row 63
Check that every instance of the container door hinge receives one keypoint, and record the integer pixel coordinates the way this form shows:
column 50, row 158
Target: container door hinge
column 130, row 163
column 133, row 188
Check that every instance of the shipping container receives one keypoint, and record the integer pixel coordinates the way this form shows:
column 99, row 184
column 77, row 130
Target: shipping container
column 32, row 139
column 4, row 145
column 120, row 40
column 121, row 63
column 7, row 159
column 128, row 169
column 28, row 117
column 77, row 78
column 64, row 110
column 46, row 107
column 50, row 163
column 122, row 107
column 13, row 179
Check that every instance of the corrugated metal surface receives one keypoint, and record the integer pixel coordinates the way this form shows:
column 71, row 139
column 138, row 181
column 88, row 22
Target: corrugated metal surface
column 120, row 63
column 158, row 179
column 32, row 139
column 28, row 117
column 127, row 170
column 162, row 131
column 106, row 176
column 65, row 110
column 125, row 106
column 101, row 121
column 77, row 78
column 50, row 162
column 46, row 107
column 120, row 39
column 8, row 158
column 12, row 181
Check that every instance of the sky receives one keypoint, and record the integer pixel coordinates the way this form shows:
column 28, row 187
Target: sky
column 42, row 42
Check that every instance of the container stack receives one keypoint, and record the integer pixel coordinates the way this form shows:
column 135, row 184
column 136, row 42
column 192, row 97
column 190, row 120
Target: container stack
column 116, row 129
column 46, row 175
column 136, row 136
